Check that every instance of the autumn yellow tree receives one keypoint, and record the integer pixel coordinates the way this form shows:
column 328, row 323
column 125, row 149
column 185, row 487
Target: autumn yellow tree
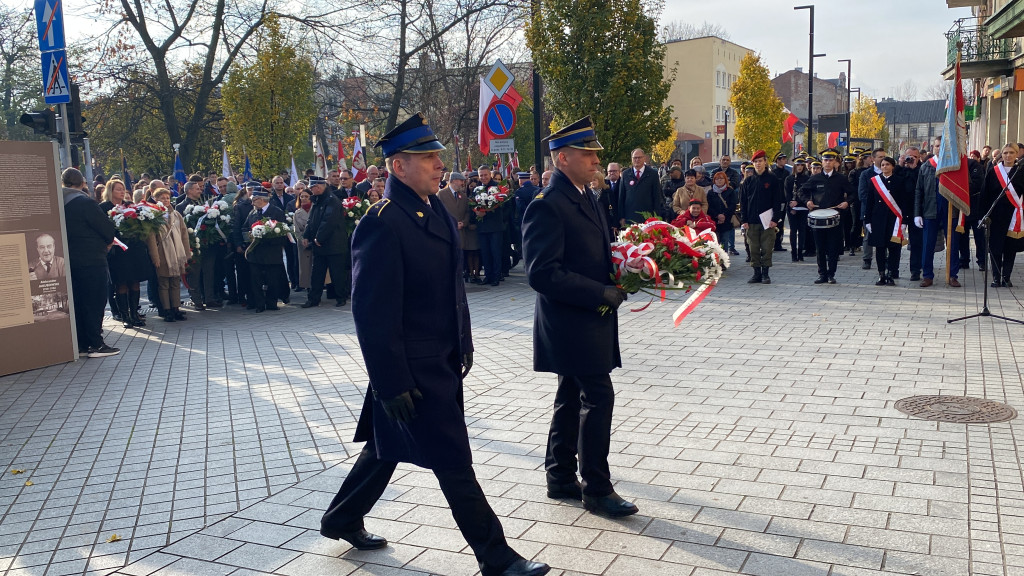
column 759, row 114
column 662, row 151
column 268, row 105
column 866, row 122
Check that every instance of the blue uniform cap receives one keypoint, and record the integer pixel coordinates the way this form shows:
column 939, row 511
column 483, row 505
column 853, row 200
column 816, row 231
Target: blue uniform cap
column 314, row 180
column 580, row 135
column 413, row 136
column 260, row 193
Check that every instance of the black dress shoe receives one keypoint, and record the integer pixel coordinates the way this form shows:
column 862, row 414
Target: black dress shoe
column 820, row 280
column 568, row 491
column 340, row 303
column 273, row 308
column 996, row 284
column 1007, row 283
column 310, row 303
column 611, row 506
column 831, row 279
column 522, row 567
column 359, row 539
column 866, row 265
column 915, row 276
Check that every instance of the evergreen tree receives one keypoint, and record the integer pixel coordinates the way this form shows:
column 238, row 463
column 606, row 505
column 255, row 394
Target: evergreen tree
column 759, row 114
column 602, row 58
column 268, row 105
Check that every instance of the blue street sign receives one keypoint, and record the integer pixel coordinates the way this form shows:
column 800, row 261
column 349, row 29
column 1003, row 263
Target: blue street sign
column 56, row 89
column 50, row 24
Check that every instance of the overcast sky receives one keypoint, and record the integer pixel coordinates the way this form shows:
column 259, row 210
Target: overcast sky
column 894, row 39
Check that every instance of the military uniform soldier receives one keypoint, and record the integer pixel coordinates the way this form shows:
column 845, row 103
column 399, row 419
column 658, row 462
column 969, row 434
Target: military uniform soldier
column 412, row 320
column 567, row 248
column 266, row 259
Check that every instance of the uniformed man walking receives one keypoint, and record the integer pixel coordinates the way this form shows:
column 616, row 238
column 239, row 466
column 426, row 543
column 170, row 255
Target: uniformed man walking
column 412, row 320
column 567, row 249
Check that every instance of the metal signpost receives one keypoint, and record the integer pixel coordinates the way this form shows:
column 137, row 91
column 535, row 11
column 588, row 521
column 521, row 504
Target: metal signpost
column 56, row 84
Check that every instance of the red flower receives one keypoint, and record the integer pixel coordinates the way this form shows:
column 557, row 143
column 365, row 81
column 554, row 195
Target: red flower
column 203, row 227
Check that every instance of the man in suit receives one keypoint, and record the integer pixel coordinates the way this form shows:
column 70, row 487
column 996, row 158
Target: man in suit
column 266, row 265
column 614, row 181
column 640, row 191
column 454, row 199
column 372, row 173
column 412, row 321
column 327, row 235
column 49, row 266
column 567, row 248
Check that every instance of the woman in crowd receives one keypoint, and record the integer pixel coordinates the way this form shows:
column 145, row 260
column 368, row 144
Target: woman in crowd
column 722, row 201
column 303, row 203
column 1004, row 240
column 689, row 191
column 889, row 192
column 128, row 268
column 373, row 195
column 170, row 251
column 601, row 189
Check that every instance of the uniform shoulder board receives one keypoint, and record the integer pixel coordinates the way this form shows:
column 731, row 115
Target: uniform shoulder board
column 538, row 196
column 377, row 207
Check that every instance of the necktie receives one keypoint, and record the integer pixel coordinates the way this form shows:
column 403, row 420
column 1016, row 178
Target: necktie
column 47, row 266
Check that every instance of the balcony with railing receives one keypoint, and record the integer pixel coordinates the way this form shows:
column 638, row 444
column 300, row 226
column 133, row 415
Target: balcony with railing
column 981, row 55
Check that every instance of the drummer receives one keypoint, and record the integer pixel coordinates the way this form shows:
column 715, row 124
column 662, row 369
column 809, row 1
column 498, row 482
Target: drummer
column 827, row 190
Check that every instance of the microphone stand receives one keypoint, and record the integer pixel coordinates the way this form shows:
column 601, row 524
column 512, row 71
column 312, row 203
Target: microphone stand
column 986, row 223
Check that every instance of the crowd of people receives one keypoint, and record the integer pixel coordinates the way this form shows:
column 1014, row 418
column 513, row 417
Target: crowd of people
column 865, row 202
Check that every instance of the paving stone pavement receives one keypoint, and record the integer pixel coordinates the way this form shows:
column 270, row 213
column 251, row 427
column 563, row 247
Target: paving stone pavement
column 758, row 438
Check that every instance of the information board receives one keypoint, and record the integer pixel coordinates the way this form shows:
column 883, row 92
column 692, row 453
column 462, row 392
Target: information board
column 36, row 310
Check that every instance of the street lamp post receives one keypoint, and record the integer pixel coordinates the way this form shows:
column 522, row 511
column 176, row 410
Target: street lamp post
column 725, row 135
column 810, row 82
column 538, row 106
column 849, row 68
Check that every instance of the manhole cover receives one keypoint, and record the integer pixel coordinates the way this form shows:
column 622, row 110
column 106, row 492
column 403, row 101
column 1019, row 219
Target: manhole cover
column 958, row 409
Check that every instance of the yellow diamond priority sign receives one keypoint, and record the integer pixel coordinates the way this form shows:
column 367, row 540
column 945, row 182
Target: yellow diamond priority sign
column 499, row 78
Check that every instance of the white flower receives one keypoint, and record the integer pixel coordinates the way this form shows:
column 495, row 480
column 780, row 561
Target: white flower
column 189, row 209
column 226, row 217
column 357, row 220
column 213, row 213
column 351, row 215
column 191, row 231
column 258, row 231
column 221, row 204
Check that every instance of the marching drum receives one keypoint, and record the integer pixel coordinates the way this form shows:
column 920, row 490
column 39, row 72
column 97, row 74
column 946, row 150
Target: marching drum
column 823, row 218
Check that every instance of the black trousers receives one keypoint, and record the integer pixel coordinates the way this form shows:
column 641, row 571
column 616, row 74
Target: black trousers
column 291, row 252
column 888, row 259
column 340, row 266
column 581, row 426
column 1002, row 260
column 89, row 287
column 243, row 278
column 478, row 523
column 212, row 273
column 797, row 233
column 979, row 242
column 855, row 239
column 270, row 275
column 829, row 242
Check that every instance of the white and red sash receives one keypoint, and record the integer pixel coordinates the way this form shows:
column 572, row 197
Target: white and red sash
column 897, row 231
column 1015, row 230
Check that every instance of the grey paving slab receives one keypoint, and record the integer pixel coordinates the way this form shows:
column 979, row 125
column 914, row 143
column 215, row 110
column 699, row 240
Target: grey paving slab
column 758, row 438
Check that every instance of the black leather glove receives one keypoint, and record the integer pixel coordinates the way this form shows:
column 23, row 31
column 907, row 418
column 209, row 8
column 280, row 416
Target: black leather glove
column 613, row 296
column 467, row 363
column 401, row 408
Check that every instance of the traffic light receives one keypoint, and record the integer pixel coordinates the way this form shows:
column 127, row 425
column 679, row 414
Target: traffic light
column 76, row 158
column 41, row 121
column 75, row 118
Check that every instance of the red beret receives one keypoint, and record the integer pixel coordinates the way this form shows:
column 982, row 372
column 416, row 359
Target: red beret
column 758, row 154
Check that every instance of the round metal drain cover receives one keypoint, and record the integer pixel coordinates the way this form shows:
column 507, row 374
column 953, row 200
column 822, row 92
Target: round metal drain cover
column 957, row 409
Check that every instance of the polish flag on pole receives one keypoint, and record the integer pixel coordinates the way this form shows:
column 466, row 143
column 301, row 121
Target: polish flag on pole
column 358, row 160
column 341, row 157
column 833, row 139
column 787, row 126
column 320, row 164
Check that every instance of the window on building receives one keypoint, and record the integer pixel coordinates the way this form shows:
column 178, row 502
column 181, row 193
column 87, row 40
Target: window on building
column 718, row 113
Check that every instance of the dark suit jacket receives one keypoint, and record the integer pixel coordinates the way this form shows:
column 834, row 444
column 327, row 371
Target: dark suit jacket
column 327, row 226
column 458, row 208
column 267, row 252
column 412, row 320
column 567, row 249
column 642, row 195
